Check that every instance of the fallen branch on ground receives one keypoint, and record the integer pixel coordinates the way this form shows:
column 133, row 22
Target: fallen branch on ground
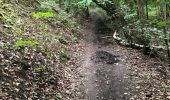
column 135, row 45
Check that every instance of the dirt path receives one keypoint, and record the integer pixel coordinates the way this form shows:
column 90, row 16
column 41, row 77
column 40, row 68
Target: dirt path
column 103, row 68
column 108, row 71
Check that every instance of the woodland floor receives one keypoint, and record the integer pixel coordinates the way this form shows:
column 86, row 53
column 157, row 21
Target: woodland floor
column 98, row 69
column 109, row 71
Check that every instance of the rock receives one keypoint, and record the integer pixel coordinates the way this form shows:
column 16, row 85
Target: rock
column 68, row 92
column 58, row 95
column 168, row 93
column 168, row 97
column 138, row 87
column 125, row 93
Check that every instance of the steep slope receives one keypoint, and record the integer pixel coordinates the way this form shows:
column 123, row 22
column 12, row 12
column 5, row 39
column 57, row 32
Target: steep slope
column 35, row 56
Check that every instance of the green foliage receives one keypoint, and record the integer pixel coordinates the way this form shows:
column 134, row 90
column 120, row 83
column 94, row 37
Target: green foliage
column 62, row 40
column 75, row 37
column 23, row 43
column 48, row 5
column 149, row 29
column 55, row 15
column 153, row 12
column 26, row 3
column 42, row 14
column 64, row 55
column 44, row 27
column 84, row 3
column 7, row 14
column 129, row 15
column 162, row 24
column 156, row 23
column 101, row 11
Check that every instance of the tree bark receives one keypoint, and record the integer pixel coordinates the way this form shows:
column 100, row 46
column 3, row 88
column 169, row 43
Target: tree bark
column 141, row 11
column 164, row 17
column 147, row 10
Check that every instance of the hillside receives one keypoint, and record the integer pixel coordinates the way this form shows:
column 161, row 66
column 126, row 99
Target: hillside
column 35, row 48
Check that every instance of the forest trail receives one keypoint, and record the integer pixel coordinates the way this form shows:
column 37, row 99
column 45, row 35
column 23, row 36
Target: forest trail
column 103, row 69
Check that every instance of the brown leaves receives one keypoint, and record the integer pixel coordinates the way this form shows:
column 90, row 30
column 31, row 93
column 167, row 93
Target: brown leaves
column 149, row 78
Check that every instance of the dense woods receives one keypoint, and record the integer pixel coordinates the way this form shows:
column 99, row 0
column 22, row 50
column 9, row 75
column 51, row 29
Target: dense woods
column 144, row 24
column 39, row 38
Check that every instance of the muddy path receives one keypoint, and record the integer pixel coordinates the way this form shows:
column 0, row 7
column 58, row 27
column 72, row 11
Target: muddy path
column 103, row 69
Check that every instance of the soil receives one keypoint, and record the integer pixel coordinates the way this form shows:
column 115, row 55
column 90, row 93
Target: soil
column 103, row 70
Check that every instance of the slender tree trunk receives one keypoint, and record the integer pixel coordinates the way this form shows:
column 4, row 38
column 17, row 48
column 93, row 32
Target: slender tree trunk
column 146, row 4
column 141, row 11
column 164, row 17
column 167, row 44
column 168, row 12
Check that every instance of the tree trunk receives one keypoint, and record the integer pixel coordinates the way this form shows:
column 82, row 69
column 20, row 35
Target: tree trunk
column 146, row 4
column 164, row 17
column 167, row 44
column 141, row 11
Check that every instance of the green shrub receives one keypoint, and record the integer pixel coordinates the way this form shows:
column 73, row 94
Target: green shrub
column 64, row 55
column 23, row 43
column 62, row 40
